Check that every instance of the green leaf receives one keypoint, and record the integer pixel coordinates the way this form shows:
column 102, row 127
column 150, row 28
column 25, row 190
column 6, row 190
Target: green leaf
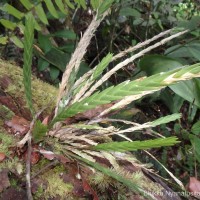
column 196, row 145
column 8, row 24
column 41, row 14
column 44, row 42
column 27, row 4
column 61, row 6
column 58, row 58
column 95, row 4
column 133, row 88
column 105, row 5
column 196, row 128
column 81, row 3
column 17, row 42
column 27, row 56
column 101, row 66
column 51, row 8
column 69, row 34
column 136, row 145
column 54, row 72
column 42, row 64
column 189, row 90
column 13, row 11
column 39, row 131
column 3, row 40
column 153, row 64
column 129, row 12
column 69, row 4
column 131, row 185
column 166, row 119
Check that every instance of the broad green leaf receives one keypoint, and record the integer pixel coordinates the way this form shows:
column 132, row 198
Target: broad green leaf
column 153, row 64
column 136, row 145
column 136, row 88
column 41, row 14
column 3, row 40
column 27, row 4
column 8, row 24
column 196, row 145
column 171, row 100
column 190, row 50
column 42, row 64
column 13, row 11
column 27, row 57
column 54, row 72
column 58, row 58
column 69, row 34
column 69, row 4
column 17, row 42
column 127, row 11
column 196, row 128
column 51, row 8
column 61, row 6
column 39, row 131
column 44, row 42
column 189, row 90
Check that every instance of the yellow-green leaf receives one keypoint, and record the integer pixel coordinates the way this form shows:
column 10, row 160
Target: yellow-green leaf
column 61, row 6
column 8, row 24
column 27, row 4
column 51, row 8
column 17, row 42
column 41, row 14
column 3, row 40
column 13, row 11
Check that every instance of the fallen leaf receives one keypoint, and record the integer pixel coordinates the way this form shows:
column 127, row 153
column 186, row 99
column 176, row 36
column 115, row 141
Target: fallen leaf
column 2, row 156
column 47, row 154
column 194, row 185
column 18, row 125
column 4, row 183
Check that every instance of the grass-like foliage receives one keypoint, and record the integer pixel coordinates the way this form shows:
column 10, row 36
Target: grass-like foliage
column 27, row 56
column 136, row 145
column 86, row 141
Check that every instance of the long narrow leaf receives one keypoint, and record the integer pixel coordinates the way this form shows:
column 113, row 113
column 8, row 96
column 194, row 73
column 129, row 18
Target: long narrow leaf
column 41, row 14
column 27, row 4
column 138, row 88
column 135, row 188
column 51, row 8
column 136, row 145
column 28, row 49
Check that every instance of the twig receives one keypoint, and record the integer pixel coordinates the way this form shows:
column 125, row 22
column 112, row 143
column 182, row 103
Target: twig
column 44, row 168
column 28, row 170
column 131, row 59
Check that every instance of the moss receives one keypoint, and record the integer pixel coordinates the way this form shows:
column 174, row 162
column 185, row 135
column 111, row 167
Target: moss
column 55, row 185
column 5, row 114
column 6, row 141
column 43, row 93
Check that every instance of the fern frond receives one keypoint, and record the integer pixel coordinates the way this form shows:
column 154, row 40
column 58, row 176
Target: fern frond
column 138, row 88
column 27, row 56
column 136, row 145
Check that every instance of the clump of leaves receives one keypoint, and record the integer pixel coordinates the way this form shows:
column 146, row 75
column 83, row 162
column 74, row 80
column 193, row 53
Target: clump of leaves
column 85, row 139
